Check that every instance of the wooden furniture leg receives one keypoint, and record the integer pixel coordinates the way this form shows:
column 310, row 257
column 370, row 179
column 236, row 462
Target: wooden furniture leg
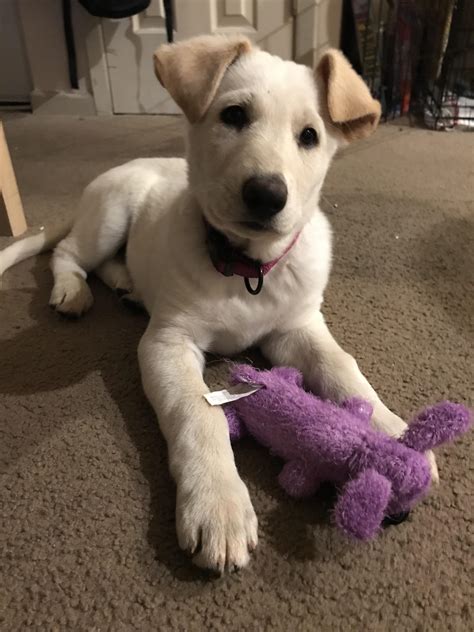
column 12, row 216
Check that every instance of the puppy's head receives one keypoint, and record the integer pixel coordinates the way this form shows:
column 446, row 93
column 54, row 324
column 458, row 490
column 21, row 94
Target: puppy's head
column 262, row 131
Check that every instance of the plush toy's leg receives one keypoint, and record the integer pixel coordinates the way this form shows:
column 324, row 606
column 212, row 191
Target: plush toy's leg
column 299, row 479
column 436, row 425
column 237, row 429
column 361, row 507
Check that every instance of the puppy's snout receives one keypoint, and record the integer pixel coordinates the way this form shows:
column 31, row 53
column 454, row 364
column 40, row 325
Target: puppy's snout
column 265, row 195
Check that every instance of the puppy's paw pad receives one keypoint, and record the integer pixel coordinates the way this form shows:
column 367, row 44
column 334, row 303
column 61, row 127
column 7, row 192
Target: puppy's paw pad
column 132, row 301
column 123, row 283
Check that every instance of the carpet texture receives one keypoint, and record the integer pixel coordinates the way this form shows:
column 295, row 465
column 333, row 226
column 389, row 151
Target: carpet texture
column 87, row 504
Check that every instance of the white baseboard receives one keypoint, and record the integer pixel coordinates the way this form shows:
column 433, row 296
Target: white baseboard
column 75, row 103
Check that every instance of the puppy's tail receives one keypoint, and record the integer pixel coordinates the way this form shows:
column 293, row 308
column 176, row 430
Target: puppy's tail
column 31, row 246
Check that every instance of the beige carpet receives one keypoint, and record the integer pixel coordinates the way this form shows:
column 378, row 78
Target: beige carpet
column 87, row 524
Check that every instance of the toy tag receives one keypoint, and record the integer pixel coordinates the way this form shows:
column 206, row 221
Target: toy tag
column 231, row 394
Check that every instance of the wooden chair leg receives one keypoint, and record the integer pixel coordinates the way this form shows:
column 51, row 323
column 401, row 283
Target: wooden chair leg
column 12, row 216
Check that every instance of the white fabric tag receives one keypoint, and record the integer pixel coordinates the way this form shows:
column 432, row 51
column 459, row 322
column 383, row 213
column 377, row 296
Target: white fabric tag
column 231, row 394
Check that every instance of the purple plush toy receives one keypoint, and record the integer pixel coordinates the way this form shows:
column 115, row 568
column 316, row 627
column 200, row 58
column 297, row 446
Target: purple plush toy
column 321, row 441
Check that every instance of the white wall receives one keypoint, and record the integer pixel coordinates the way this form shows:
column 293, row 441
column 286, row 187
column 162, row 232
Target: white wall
column 42, row 71
column 43, row 34
column 15, row 79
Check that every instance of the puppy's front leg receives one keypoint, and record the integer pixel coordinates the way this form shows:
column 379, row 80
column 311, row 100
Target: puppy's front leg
column 213, row 509
column 331, row 372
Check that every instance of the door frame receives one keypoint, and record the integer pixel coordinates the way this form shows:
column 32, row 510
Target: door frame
column 99, row 73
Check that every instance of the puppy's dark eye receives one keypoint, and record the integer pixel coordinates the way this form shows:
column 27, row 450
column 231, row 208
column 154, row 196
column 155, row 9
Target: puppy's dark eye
column 308, row 137
column 234, row 116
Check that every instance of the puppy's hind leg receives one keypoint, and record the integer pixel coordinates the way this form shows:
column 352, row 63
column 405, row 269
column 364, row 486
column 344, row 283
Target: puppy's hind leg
column 97, row 234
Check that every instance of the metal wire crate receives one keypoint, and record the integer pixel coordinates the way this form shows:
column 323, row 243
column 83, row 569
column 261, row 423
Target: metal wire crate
column 447, row 97
column 417, row 56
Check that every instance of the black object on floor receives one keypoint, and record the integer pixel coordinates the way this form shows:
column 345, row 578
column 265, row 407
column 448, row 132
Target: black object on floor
column 389, row 521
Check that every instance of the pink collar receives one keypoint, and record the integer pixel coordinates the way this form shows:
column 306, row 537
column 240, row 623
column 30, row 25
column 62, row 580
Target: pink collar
column 229, row 260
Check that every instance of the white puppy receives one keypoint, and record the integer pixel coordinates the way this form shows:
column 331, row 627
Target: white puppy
column 262, row 133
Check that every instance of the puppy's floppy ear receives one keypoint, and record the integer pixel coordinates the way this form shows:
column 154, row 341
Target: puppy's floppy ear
column 192, row 70
column 349, row 104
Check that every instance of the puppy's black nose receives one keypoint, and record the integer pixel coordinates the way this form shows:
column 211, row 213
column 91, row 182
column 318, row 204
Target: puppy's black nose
column 265, row 195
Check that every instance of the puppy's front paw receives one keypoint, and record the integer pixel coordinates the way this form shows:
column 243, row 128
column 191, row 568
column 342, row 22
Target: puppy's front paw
column 216, row 521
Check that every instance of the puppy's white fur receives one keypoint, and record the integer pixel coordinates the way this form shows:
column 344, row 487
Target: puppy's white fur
column 156, row 206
